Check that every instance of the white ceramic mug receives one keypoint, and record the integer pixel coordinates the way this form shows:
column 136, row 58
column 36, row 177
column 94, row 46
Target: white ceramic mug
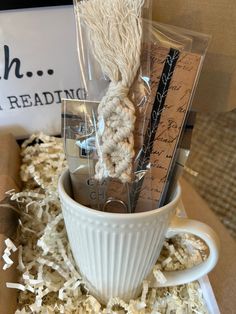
column 116, row 252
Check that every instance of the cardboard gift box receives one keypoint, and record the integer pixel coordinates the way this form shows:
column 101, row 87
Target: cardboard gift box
column 19, row 105
column 222, row 277
column 9, row 179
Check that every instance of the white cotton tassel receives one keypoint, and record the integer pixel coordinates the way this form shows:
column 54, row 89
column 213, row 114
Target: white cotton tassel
column 115, row 30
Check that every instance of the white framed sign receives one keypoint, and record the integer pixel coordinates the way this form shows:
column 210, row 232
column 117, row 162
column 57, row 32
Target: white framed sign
column 38, row 67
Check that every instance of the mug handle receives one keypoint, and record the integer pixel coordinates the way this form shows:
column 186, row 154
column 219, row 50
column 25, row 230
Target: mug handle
column 184, row 225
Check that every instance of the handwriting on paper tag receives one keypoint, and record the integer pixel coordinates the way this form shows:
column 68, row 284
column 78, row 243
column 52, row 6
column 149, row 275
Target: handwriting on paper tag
column 171, row 123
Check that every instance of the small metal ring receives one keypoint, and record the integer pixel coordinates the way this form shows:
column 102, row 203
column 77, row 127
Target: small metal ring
column 114, row 200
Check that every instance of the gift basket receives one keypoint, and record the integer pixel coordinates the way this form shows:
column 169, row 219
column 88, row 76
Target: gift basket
column 107, row 239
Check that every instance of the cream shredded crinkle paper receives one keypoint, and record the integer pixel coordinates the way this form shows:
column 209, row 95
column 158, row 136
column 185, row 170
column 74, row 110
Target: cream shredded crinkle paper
column 50, row 281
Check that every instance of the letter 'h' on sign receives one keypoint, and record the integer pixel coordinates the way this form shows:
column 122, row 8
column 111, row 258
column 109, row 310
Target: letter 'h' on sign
column 38, row 67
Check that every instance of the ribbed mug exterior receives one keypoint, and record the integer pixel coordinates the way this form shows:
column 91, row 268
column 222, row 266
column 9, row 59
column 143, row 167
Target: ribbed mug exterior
column 114, row 252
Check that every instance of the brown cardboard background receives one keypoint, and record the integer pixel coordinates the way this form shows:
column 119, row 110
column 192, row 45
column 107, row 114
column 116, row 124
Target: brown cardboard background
column 9, row 179
column 217, row 85
column 8, row 297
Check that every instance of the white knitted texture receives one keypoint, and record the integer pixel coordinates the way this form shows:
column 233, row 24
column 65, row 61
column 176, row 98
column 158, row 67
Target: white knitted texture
column 115, row 29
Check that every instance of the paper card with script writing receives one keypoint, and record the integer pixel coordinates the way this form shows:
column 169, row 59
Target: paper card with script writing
column 172, row 118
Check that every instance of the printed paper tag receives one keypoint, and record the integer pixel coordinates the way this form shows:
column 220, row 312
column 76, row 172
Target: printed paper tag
column 172, row 120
